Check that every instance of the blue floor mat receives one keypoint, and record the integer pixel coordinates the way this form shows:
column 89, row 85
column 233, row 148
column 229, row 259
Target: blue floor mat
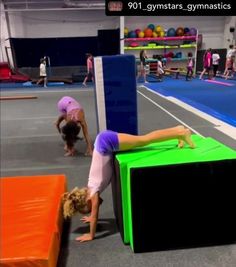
column 216, row 100
column 50, row 85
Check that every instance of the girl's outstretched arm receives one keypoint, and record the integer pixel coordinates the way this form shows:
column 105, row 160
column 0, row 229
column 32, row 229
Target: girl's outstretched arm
column 92, row 219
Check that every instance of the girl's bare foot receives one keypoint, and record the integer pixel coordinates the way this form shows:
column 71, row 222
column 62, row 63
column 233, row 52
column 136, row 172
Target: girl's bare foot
column 185, row 137
column 180, row 143
column 70, row 152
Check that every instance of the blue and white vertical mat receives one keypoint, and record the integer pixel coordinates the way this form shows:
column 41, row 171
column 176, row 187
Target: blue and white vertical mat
column 116, row 94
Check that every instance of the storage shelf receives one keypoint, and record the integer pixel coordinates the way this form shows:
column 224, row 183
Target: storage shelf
column 160, row 47
column 150, row 60
column 163, row 45
column 175, row 38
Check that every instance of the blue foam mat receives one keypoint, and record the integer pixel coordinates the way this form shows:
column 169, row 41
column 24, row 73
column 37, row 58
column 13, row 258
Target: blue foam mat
column 214, row 99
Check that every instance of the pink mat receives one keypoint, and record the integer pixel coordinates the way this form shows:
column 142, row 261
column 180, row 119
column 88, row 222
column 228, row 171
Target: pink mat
column 218, row 82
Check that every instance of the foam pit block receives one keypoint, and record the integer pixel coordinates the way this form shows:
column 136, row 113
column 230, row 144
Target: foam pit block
column 31, row 220
column 167, row 198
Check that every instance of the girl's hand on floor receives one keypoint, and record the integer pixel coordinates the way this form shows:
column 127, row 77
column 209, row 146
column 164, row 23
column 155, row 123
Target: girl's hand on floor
column 84, row 238
column 86, row 219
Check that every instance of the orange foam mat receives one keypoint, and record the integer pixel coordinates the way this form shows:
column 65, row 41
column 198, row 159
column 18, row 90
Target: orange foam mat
column 31, row 220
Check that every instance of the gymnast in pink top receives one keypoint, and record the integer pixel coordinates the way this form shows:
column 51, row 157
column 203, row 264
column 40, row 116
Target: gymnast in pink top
column 207, row 63
column 87, row 200
column 73, row 114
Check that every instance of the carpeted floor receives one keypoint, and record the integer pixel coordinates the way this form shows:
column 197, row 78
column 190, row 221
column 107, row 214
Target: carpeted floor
column 30, row 145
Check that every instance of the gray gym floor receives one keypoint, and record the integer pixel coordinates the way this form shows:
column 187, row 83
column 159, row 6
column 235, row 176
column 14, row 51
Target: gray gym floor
column 30, row 145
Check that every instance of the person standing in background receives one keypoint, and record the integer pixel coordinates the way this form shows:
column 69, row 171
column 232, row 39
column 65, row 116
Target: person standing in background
column 230, row 67
column 143, row 63
column 89, row 75
column 160, row 69
column 207, row 63
column 190, row 66
column 215, row 62
column 42, row 72
column 231, row 52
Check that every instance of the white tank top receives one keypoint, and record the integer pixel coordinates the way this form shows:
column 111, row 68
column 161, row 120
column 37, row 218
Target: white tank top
column 100, row 173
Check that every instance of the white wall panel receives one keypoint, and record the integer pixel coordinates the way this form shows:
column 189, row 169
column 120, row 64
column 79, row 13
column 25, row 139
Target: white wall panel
column 76, row 23
column 60, row 23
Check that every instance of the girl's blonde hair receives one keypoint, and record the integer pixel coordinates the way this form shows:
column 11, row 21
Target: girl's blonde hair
column 74, row 201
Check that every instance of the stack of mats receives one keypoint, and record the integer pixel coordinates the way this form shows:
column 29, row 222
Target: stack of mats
column 31, row 220
column 167, row 198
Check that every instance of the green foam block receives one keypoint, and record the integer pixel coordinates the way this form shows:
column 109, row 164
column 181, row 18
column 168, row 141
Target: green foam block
column 160, row 154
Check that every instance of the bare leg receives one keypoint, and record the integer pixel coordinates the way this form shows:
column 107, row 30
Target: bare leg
column 183, row 135
column 85, row 80
column 140, row 71
column 45, row 81
column 226, row 75
column 39, row 81
column 145, row 75
column 203, row 72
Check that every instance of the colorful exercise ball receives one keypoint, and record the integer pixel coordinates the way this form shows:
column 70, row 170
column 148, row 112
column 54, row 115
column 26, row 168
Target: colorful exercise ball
column 164, row 60
column 179, row 31
column 141, row 34
column 159, row 29
column 148, row 32
column 134, row 44
column 132, row 34
column 193, row 31
column 137, row 31
column 186, row 30
column 151, row 26
column 162, row 34
column 126, row 31
column 171, row 32
column 178, row 55
column 154, row 34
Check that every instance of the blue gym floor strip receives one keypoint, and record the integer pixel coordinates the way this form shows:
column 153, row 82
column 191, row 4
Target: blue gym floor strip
column 214, row 99
column 4, row 87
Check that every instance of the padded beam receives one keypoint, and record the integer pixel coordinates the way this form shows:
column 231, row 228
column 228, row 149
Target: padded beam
column 176, row 71
column 31, row 220
column 166, row 198
column 18, row 97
